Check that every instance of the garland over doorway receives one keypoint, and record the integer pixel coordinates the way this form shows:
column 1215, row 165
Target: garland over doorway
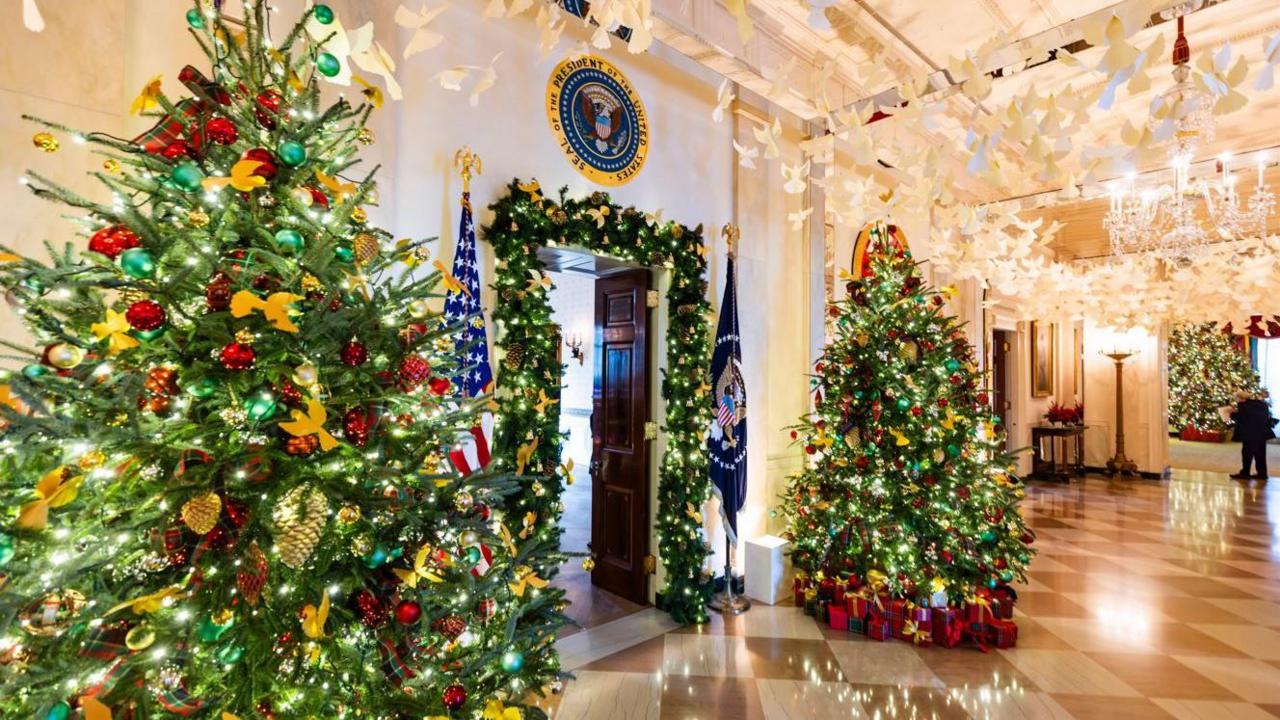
column 529, row 436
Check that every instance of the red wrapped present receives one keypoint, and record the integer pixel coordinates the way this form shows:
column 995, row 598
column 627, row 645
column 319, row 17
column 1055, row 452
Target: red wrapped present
column 1001, row 634
column 810, row 603
column 827, row 589
column 838, row 616
column 947, row 626
column 1002, row 600
column 896, row 614
column 838, row 593
column 878, row 630
column 798, row 586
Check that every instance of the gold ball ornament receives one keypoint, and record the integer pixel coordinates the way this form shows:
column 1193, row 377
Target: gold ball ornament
column 302, row 195
column 197, row 218
column 45, row 142
column 140, row 637
column 365, row 136
column 359, row 215
column 361, row 545
column 419, row 309
column 112, row 166
column 91, row 460
column 588, row 563
column 65, row 356
column 244, row 336
column 311, row 283
column 306, row 375
column 349, row 514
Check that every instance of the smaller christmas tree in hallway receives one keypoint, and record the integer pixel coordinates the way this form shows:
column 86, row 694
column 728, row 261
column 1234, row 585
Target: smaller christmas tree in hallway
column 907, row 476
column 1206, row 367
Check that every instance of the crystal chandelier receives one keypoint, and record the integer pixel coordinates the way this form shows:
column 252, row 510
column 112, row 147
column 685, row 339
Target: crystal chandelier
column 1172, row 221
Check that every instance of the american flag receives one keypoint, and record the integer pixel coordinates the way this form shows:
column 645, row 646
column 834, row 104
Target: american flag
column 725, row 415
column 476, row 376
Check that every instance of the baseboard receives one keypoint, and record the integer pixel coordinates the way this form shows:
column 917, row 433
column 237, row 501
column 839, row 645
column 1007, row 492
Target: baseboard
column 1144, row 474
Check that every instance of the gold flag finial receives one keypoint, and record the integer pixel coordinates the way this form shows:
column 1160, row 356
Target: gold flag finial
column 731, row 235
column 467, row 163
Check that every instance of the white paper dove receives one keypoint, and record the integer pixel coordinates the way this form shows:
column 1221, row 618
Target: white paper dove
column 423, row 38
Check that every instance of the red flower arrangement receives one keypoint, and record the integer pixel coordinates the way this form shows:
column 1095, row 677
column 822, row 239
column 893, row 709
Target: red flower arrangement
column 1069, row 415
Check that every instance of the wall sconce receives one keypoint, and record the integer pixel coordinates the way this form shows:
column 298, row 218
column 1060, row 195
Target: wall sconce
column 574, row 343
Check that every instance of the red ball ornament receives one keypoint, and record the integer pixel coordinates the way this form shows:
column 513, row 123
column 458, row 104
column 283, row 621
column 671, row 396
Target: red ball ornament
column 483, row 511
column 412, row 372
column 220, row 130
column 810, row 449
column 145, row 315
column 916, row 411
column 289, row 393
column 982, row 398
column 355, row 425
column 237, row 512
column 861, row 462
column 439, row 386
column 1001, row 563
column 237, row 356
column 262, row 155
column 962, row 492
column 113, row 240
column 178, row 149
column 318, row 198
column 217, row 294
column 354, row 353
column 368, row 609
column 454, row 697
column 942, row 402
column 270, row 100
column 408, row 612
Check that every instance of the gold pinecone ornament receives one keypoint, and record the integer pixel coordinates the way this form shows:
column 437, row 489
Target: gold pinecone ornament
column 201, row 512
column 299, row 521
column 515, row 357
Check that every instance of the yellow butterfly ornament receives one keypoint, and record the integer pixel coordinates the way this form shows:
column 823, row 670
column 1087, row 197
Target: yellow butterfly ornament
column 242, row 178
column 310, row 423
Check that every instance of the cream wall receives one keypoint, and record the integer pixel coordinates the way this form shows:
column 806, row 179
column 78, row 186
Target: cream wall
column 1146, row 397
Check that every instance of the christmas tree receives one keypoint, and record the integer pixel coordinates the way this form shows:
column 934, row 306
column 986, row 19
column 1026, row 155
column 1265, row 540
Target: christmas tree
column 224, row 472
column 906, row 474
column 1206, row 367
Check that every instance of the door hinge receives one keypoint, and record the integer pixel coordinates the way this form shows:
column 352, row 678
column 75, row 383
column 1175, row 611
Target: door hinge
column 651, row 299
column 651, row 430
column 650, row 565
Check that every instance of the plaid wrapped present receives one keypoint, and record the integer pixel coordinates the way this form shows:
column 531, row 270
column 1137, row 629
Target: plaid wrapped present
column 918, row 627
column 838, row 616
column 1002, row 634
column 798, row 586
column 878, row 630
column 947, row 626
column 811, row 601
column 858, row 625
column 896, row 614
column 1002, row 600
column 105, row 642
column 827, row 589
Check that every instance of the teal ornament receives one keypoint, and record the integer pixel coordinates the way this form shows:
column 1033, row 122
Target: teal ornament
column 187, row 176
column 31, row 372
column 137, row 263
column 289, row 239
column 149, row 335
column 61, row 711
column 512, row 661
column 203, row 388
column 7, row 550
column 195, row 18
column 210, row 631
column 953, row 450
column 323, row 13
column 31, row 282
column 473, row 555
column 951, row 365
column 328, row 64
column 1006, row 576
column 292, row 153
column 229, row 654
column 903, row 403
column 260, row 406
column 376, row 558
column 991, row 583
column 344, row 253
column 988, row 536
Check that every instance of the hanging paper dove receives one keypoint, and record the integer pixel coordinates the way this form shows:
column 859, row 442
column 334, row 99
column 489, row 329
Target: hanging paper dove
column 424, row 38
column 337, row 42
column 31, row 18
column 1270, row 58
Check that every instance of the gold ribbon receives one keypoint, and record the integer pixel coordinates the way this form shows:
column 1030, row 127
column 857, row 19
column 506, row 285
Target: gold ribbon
column 53, row 490
column 918, row 636
column 526, row 577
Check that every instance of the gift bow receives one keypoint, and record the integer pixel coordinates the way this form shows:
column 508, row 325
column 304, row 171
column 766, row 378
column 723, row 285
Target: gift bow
column 275, row 308
column 877, row 580
column 116, row 327
column 525, row 576
column 313, row 618
column 53, row 490
column 420, row 569
column 311, row 423
column 495, row 710
column 912, row 629
column 149, row 603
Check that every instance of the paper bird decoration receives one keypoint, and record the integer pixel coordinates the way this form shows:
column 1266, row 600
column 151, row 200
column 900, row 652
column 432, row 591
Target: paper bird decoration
column 313, row 618
column 310, row 422
column 146, row 99
column 242, row 178
column 724, row 98
column 32, row 20
column 424, row 38
column 275, row 308
column 421, row 569
column 55, row 489
column 116, row 328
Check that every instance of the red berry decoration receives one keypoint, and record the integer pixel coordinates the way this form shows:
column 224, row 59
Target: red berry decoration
column 439, row 386
column 454, row 697
column 355, row 425
column 354, row 353
column 145, row 315
column 369, row 609
column 268, row 167
column 289, row 394
column 221, row 131
column 113, row 240
column 412, row 372
column 237, row 356
column 408, row 612
column 237, row 512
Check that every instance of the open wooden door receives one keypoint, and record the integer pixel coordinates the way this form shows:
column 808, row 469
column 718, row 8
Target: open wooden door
column 619, row 451
column 1000, row 348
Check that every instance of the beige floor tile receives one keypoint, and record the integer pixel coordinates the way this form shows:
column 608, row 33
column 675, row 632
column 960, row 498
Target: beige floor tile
column 1068, row 672
column 715, row 655
column 1212, row 710
column 779, row 622
column 883, row 663
column 1116, row 634
column 1262, row 612
column 1253, row 680
column 803, row 700
column 1260, row 642
column 611, row 696
column 598, row 642
column 990, row 704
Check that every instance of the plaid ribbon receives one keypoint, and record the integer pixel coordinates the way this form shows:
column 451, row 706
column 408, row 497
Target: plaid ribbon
column 393, row 664
column 171, row 127
column 109, row 679
column 105, row 642
column 178, row 701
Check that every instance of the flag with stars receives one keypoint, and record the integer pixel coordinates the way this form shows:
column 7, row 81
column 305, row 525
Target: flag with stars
column 727, row 439
column 471, row 452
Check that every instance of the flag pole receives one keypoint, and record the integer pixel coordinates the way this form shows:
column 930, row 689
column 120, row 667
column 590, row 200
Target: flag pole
column 726, row 602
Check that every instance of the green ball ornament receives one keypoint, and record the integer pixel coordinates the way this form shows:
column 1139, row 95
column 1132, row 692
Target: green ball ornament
column 61, row 711
column 195, row 18
column 31, row 282
column 512, row 661
column 323, row 14
column 988, row 536
column 1006, row 576
column 903, row 403
column 328, row 65
column 292, row 153
column 344, row 253
column 991, row 583
column 148, row 335
column 289, row 239
column 229, row 654
column 137, row 263
column 953, row 450
column 203, row 388
column 210, row 631
column 376, row 559
column 951, row 365
column 7, row 550
column 31, row 372
column 187, row 176
column 473, row 555
column 260, row 406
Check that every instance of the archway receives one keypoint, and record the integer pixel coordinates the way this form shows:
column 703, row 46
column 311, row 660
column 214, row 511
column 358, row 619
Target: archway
column 526, row 220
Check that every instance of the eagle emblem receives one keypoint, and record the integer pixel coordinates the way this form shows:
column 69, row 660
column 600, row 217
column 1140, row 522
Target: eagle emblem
column 602, row 114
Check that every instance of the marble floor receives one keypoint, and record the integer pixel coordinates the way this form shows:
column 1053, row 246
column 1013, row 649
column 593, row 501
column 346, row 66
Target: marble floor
column 1216, row 457
column 1148, row 600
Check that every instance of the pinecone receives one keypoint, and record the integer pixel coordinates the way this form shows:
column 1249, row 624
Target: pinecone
column 515, row 357
column 299, row 519
column 366, row 247
column 251, row 578
column 201, row 512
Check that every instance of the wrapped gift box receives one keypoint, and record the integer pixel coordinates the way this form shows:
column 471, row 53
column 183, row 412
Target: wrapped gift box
column 827, row 589
column 838, row 616
column 1002, row 634
column 858, row 625
column 1002, row 601
column 878, row 630
column 810, row 601
column 798, row 586
column 896, row 614
column 947, row 626
column 822, row 611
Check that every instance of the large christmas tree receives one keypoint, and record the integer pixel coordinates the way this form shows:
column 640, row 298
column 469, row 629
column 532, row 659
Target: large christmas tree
column 224, row 484
column 906, row 475
column 1206, row 367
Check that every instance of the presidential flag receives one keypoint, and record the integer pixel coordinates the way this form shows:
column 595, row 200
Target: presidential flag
column 471, row 345
column 727, row 441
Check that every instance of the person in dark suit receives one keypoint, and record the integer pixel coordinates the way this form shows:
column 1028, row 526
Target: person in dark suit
column 1253, row 428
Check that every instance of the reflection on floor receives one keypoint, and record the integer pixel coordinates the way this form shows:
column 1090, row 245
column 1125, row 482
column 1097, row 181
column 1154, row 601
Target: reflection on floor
column 1147, row 600
column 589, row 606
column 1216, row 457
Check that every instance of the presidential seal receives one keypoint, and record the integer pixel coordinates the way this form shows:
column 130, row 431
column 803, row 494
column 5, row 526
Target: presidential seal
column 598, row 119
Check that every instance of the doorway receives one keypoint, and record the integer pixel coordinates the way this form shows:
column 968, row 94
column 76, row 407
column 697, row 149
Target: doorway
column 1001, row 353
column 601, row 308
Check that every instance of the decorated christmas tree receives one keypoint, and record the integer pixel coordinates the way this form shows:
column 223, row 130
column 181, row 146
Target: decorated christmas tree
column 225, row 485
column 906, row 474
column 1206, row 367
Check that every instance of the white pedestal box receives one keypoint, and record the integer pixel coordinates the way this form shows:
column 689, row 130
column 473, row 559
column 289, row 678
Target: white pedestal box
column 768, row 569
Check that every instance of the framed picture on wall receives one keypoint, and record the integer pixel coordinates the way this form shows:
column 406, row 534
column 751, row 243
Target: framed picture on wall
column 1043, row 336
